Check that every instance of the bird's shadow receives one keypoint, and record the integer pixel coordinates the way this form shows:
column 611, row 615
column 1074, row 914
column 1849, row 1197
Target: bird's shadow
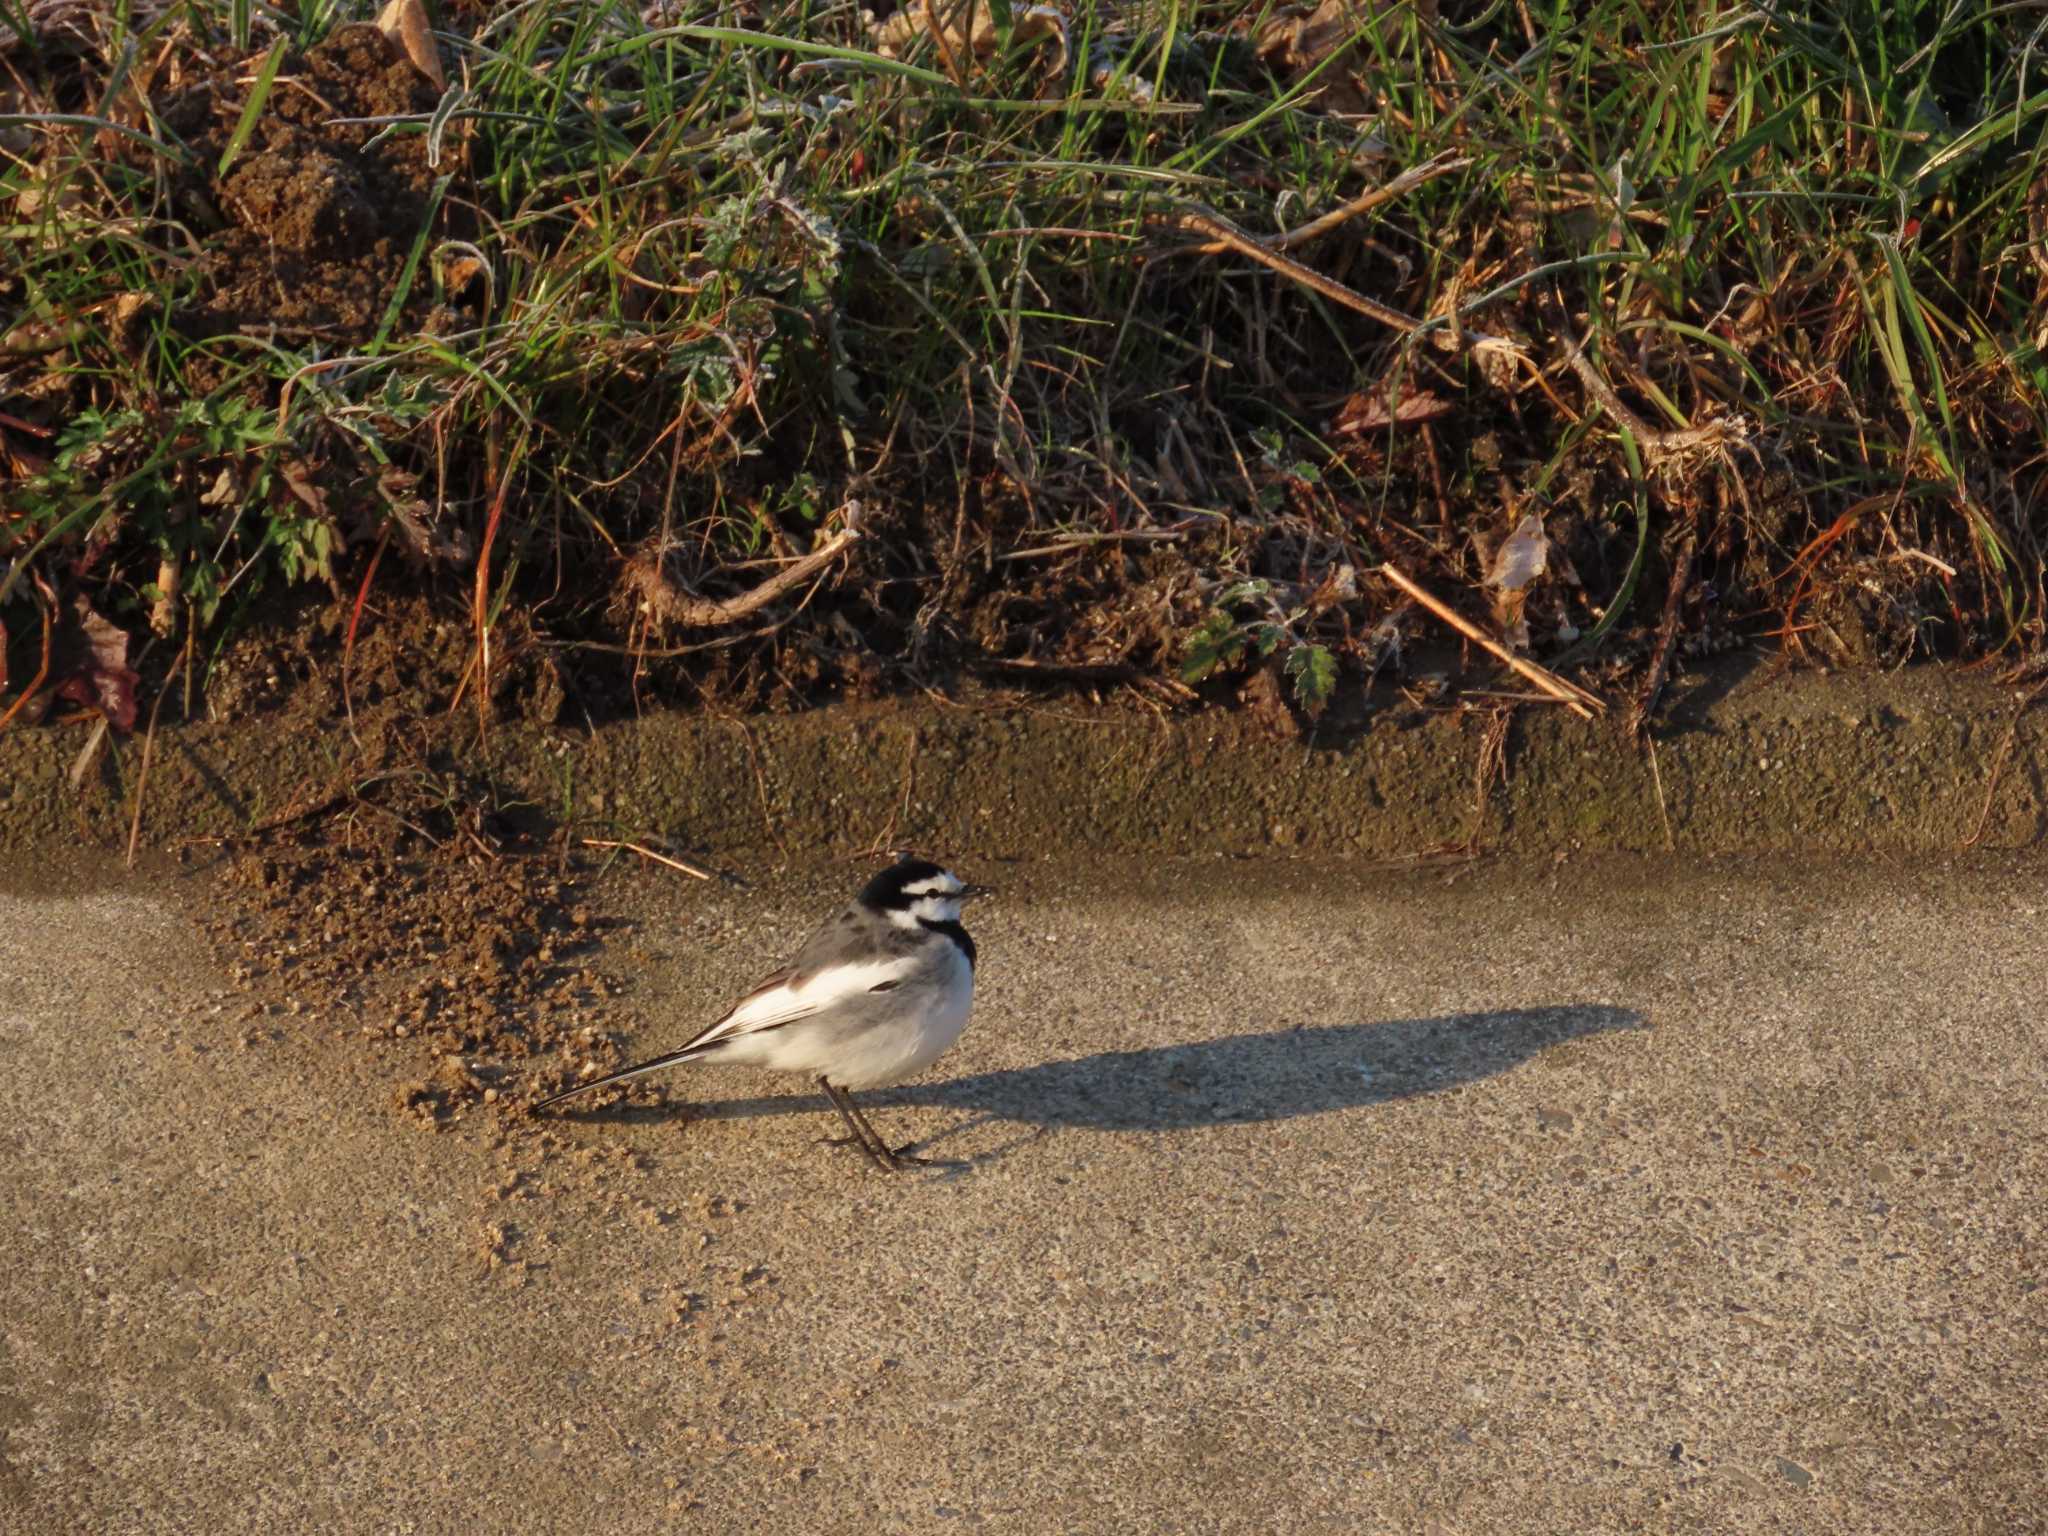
column 1272, row 1075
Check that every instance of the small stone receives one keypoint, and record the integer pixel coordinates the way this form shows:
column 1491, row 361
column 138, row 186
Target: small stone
column 1794, row 1473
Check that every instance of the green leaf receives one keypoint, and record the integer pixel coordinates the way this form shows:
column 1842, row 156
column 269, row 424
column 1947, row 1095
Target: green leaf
column 437, row 125
column 1314, row 672
column 252, row 110
column 402, row 289
column 1242, row 592
column 1218, row 642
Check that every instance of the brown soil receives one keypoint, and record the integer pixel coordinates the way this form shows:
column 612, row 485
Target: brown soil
column 467, row 978
column 1748, row 759
column 411, row 665
column 478, row 965
column 447, row 918
column 319, row 222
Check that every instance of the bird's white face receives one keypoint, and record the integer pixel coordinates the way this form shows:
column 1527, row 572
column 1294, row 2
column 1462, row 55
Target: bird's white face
column 935, row 899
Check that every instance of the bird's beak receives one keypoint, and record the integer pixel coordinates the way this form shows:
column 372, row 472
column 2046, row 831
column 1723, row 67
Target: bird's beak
column 966, row 891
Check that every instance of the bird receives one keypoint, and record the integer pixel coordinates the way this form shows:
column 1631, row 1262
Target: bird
column 876, row 995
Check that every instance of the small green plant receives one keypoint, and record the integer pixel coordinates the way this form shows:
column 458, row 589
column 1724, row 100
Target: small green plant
column 1227, row 636
column 1282, row 466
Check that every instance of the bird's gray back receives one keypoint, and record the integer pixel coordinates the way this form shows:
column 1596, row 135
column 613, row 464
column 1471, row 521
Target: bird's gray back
column 851, row 935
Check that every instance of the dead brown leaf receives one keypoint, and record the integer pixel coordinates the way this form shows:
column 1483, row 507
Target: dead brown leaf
column 966, row 27
column 1293, row 41
column 420, row 540
column 405, row 23
column 1385, row 408
column 300, row 481
column 1523, row 556
column 97, row 674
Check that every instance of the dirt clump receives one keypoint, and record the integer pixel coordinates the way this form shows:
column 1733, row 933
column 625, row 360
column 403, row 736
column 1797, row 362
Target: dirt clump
column 426, row 929
column 320, row 206
column 408, row 662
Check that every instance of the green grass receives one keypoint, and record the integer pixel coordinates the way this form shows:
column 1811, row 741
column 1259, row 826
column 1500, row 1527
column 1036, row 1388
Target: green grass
column 700, row 285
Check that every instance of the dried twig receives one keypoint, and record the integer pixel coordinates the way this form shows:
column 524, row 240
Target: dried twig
column 1060, row 546
column 2012, row 731
column 1657, row 783
column 645, row 578
column 1659, row 446
column 42, row 672
column 1227, row 236
column 1415, row 176
column 1054, row 671
column 1667, row 631
column 1656, row 444
column 355, row 618
column 148, row 752
column 1573, row 697
column 88, row 754
column 1490, row 771
column 648, row 853
column 939, row 41
column 481, row 598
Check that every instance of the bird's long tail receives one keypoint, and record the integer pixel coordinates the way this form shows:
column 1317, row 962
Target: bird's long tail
column 673, row 1058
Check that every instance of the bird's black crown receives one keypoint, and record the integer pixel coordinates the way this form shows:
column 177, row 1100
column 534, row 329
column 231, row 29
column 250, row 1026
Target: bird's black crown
column 887, row 891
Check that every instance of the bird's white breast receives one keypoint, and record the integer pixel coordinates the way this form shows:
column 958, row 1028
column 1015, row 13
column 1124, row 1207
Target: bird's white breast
column 906, row 1047
column 905, row 1033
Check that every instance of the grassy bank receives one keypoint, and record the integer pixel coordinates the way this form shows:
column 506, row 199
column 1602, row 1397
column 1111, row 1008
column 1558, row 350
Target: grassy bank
column 781, row 351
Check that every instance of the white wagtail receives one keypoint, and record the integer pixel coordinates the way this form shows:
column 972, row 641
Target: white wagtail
column 876, row 996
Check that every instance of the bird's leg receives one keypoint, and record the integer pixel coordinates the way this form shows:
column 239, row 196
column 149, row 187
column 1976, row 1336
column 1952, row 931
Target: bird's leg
column 870, row 1139
column 863, row 1134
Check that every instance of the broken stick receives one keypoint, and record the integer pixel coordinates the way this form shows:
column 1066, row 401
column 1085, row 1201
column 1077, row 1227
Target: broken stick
column 1573, row 697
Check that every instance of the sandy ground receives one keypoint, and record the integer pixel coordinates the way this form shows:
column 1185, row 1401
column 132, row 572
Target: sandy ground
column 1606, row 1196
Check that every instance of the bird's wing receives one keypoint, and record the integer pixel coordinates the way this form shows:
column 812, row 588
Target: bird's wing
column 828, row 944
column 793, row 994
column 783, row 998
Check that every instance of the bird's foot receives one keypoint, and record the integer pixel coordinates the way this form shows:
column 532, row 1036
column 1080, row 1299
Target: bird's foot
column 903, row 1157
column 891, row 1159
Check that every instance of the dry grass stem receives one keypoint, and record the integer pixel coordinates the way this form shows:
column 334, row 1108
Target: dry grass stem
column 648, row 853
column 149, row 752
column 1400, row 186
column 2005, row 745
column 1225, row 236
column 1573, row 697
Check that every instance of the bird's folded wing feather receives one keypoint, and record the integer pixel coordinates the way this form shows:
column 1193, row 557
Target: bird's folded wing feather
column 787, row 996
column 784, row 998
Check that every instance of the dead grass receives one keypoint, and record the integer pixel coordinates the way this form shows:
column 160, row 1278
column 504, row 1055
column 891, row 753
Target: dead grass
column 1141, row 338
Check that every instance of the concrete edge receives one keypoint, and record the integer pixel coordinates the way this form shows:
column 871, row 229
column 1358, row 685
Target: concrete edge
column 1900, row 762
